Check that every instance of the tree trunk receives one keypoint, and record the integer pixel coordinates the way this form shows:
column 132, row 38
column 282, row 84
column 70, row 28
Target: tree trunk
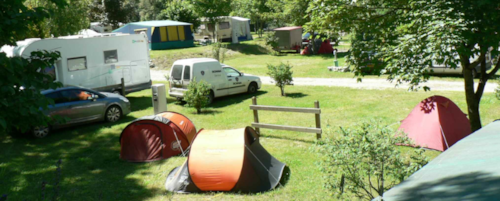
column 472, row 101
column 198, row 110
column 313, row 50
column 282, row 90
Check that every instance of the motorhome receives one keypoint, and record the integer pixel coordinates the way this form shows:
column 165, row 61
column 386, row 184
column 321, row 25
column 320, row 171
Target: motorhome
column 223, row 79
column 96, row 62
column 227, row 29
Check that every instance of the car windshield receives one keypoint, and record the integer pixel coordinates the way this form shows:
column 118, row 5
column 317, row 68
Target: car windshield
column 230, row 72
column 177, row 72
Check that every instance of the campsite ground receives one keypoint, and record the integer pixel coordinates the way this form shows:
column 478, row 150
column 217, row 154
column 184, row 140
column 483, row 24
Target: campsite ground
column 92, row 170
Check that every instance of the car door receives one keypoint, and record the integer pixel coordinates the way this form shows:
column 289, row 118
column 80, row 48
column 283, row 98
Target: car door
column 235, row 84
column 186, row 77
column 80, row 107
column 58, row 109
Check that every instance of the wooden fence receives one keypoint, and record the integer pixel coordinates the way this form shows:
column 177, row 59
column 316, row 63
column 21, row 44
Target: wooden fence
column 316, row 111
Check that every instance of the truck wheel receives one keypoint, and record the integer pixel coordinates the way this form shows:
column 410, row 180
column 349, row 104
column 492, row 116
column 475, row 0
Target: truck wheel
column 252, row 88
column 210, row 97
column 113, row 114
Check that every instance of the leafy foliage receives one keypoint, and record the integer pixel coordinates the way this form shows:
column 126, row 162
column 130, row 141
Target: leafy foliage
column 63, row 20
column 181, row 11
column 197, row 94
column 21, row 79
column 113, row 12
column 272, row 40
column 365, row 162
column 281, row 74
column 219, row 51
column 413, row 35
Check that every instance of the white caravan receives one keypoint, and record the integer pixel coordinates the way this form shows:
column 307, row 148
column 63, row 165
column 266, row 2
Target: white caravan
column 223, row 79
column 95, row 62
column 228, row 29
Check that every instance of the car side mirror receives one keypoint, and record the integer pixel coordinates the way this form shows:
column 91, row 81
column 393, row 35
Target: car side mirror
column 241, row 74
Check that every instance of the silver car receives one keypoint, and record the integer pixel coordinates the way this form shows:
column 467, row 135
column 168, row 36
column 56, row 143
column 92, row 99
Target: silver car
column 80, row 105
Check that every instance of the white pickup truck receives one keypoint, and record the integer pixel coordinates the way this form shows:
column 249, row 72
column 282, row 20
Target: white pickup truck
column 224, row 79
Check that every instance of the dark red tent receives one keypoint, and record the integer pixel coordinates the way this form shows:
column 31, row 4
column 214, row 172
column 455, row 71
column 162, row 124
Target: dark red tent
column 436, row 123
column 156, row 137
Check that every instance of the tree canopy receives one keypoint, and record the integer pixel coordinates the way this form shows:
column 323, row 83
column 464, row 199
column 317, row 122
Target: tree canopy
column 410, row 36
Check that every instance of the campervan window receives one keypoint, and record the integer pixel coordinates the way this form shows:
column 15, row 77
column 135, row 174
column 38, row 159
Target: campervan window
column 224, row 25
column 50, row 71
column 110, row 56
column 177, row 72
column 79, row 63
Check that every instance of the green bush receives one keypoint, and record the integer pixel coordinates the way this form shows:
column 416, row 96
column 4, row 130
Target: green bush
column 272, row 41
column 281, row 74
column 219, row 51
column 197, row 95
column 364, row 161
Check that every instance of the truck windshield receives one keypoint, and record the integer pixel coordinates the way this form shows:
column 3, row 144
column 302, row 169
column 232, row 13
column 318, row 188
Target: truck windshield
column 177, row 72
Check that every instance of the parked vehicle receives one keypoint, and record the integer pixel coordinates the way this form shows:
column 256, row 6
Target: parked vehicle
column 444, row 69
column 224, row 79
column 96, row 62
column 79, row 105
column 228, row 29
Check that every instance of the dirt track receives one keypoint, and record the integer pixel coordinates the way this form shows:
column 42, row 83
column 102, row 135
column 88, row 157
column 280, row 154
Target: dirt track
column 158, row 75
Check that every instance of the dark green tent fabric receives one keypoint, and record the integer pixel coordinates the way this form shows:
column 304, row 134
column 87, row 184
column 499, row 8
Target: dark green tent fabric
column 469, row 170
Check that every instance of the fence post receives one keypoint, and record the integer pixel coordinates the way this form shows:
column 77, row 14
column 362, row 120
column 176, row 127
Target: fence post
column 255, row 115
column 318, row 120
column 123, row 87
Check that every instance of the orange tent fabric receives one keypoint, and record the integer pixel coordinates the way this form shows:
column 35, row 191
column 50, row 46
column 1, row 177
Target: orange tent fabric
column 156, row 137
column 230, row 160
column 436, row 123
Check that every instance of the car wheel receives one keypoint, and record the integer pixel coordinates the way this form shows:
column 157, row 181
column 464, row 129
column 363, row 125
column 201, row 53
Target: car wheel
column 40, row 131
column 113, row 114
column 210, row 98
column 252, row 88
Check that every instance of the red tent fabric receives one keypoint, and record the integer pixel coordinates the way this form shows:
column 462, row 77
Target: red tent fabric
column 156, row 137
column 305, row 51
column 325, row 48
column 436, row 123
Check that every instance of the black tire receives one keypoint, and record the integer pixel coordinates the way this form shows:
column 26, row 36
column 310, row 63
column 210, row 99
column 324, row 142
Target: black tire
column 252, row 88
column 210, row 97
column 113, row 114
column 40, row 131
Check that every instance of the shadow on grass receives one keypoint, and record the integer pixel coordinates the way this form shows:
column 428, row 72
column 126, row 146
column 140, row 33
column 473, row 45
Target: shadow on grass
column 288, row 138
column 234, row 99
column 145, row 102
column 251, row 49
column 296, row 95
column 208, row 112
column 91, row 168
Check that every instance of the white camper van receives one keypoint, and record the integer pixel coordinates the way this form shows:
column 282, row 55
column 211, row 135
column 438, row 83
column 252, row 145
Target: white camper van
column 224, row 79
column 96, row 62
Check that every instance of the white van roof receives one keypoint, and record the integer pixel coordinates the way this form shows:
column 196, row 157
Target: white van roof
column 196, row 60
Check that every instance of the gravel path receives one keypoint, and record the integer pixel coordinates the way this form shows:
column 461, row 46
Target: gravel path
column 158, row 75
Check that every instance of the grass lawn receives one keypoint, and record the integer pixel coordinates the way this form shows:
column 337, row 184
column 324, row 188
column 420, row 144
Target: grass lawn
column 92, row 170
column 252, row 57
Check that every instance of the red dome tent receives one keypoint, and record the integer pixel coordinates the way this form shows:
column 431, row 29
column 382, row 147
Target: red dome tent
column 436, row 123
column 231, row 160
column 156, row 137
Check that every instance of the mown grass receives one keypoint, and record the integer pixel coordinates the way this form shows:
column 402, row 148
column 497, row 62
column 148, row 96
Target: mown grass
column 92, row 170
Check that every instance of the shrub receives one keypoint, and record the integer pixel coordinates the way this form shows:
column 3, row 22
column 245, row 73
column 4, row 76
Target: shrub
column 272, row 41
column 365, row 162
column 281, row 74
column 219, row 51
column 197, row 95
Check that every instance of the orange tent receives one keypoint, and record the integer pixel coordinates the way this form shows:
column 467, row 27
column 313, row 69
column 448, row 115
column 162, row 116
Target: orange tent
column 231, row 160
column 156, row 137
column 436, row 123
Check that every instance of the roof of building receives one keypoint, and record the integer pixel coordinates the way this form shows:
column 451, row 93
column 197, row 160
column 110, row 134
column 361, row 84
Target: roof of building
column 287, row 28
column 468, row 170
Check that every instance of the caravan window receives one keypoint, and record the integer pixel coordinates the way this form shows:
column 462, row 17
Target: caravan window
column 79, row 63
column 51, row 71
column 177, row 72
column 110, row 56
column 224, row 25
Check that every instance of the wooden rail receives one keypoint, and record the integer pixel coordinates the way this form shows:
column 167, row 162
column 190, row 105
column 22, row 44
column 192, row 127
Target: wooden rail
column 316, row 111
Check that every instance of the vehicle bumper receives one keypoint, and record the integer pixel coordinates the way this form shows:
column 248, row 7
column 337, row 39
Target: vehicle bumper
column 176, row 93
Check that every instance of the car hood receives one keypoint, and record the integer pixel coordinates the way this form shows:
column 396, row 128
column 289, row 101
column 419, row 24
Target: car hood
column 251, row 76
column 113, row 95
